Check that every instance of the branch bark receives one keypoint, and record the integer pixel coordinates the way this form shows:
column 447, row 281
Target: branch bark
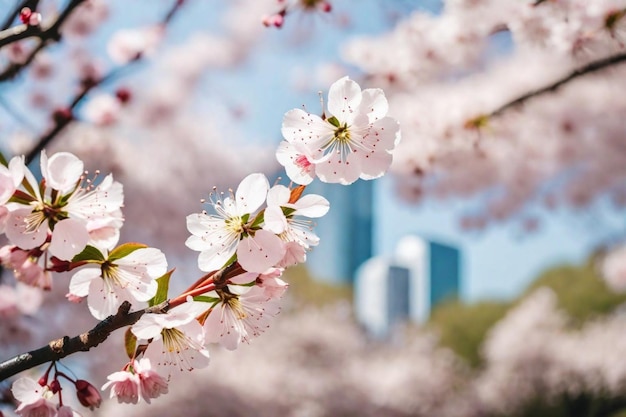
column 61, row 124
column 60, row 348
column 47, row 36
column 8, row 21
column 587, row 69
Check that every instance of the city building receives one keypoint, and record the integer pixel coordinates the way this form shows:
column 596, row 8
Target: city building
column 407, row 286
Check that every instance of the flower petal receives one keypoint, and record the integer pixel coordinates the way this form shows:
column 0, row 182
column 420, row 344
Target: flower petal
column 261, row 252
column 344, row 98
column 251, row 193
column 69, row 238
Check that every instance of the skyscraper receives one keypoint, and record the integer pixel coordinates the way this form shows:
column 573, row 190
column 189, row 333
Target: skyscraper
column 420, row 275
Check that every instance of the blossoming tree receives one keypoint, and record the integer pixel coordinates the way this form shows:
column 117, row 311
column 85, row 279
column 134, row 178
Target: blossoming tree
column 463, row 134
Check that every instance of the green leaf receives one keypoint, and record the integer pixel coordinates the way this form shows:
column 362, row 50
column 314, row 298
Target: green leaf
column 90, row 253
column 333, row 121
column 161, row 294
column 130, row 343
column 206, row 299
column 287, row 211
column 3, row 160
column 232, row 260
column 125, row 250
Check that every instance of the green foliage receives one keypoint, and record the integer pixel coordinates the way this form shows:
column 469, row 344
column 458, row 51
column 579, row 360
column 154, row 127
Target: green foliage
column 163, row 285
column 90, row 253
column 462, row 327
column 125, row 250
column 581, row 291
column 308, row 291
column 130, row 343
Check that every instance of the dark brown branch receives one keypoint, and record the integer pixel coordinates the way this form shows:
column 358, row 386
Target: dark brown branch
column 60, row 348
column 62, row 123
column 47, row 36
column 8, row 21
column 587, row 69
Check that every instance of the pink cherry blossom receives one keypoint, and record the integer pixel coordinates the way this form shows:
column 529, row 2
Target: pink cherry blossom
column 125, row 386
column 127, row 45
column 298, row 162
column 68, row 214
column 33, row 398
column 355, row 141
column 103, row 110
column 151, row 383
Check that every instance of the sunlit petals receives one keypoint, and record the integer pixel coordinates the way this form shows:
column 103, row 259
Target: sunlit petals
column 69, row 238
column 298, row 162
column 344, row 98
column 240, row 318
column 25, row 229
column 62, row 171
column 259, row 252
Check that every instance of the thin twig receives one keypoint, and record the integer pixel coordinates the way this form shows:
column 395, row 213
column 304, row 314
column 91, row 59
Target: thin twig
column 8, row 21
column 587, row 69
column 62, row 123
column 50, row 35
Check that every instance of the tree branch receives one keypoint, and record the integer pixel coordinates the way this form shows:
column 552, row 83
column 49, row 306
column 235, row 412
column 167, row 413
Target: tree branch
column 60, row 348
column 587, row 69
column 8, row 21
column 61, row 123
column 50, row 35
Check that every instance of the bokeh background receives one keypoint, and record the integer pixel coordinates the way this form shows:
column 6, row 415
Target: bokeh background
column 529, row 200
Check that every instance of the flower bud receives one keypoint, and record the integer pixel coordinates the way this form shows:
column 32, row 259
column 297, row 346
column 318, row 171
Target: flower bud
column 55, row 386
column 87, row 394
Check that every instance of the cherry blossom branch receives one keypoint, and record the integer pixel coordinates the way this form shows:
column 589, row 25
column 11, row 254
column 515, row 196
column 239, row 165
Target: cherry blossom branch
column 18, row 33
column 65, row 346
column 65, row 115
column 60, row 348
column 587, row 69
column 31, row 4
column 50, row 35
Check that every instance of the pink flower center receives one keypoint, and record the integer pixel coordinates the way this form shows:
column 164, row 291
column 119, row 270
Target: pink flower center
column 303, row 162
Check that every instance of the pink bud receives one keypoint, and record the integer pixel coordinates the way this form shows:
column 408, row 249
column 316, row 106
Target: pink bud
column 123, row 95
column 35, row 19
column 326, row 6
column 25, row 15
column 87, row 394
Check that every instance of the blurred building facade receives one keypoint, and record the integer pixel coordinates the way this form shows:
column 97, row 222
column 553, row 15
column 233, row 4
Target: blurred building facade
column 407, row 286
column 346, row 231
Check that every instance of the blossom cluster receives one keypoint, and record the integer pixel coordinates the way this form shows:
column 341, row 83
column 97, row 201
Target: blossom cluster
column 245, row 239
column 448, row 75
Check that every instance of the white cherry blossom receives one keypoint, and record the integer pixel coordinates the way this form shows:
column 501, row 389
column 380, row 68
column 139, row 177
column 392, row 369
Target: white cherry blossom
column 283, row 217
column 130, row 278
column 237, row 318
column 67, row 213
column 231, row 230
column 177, row 338
column 354, row 142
